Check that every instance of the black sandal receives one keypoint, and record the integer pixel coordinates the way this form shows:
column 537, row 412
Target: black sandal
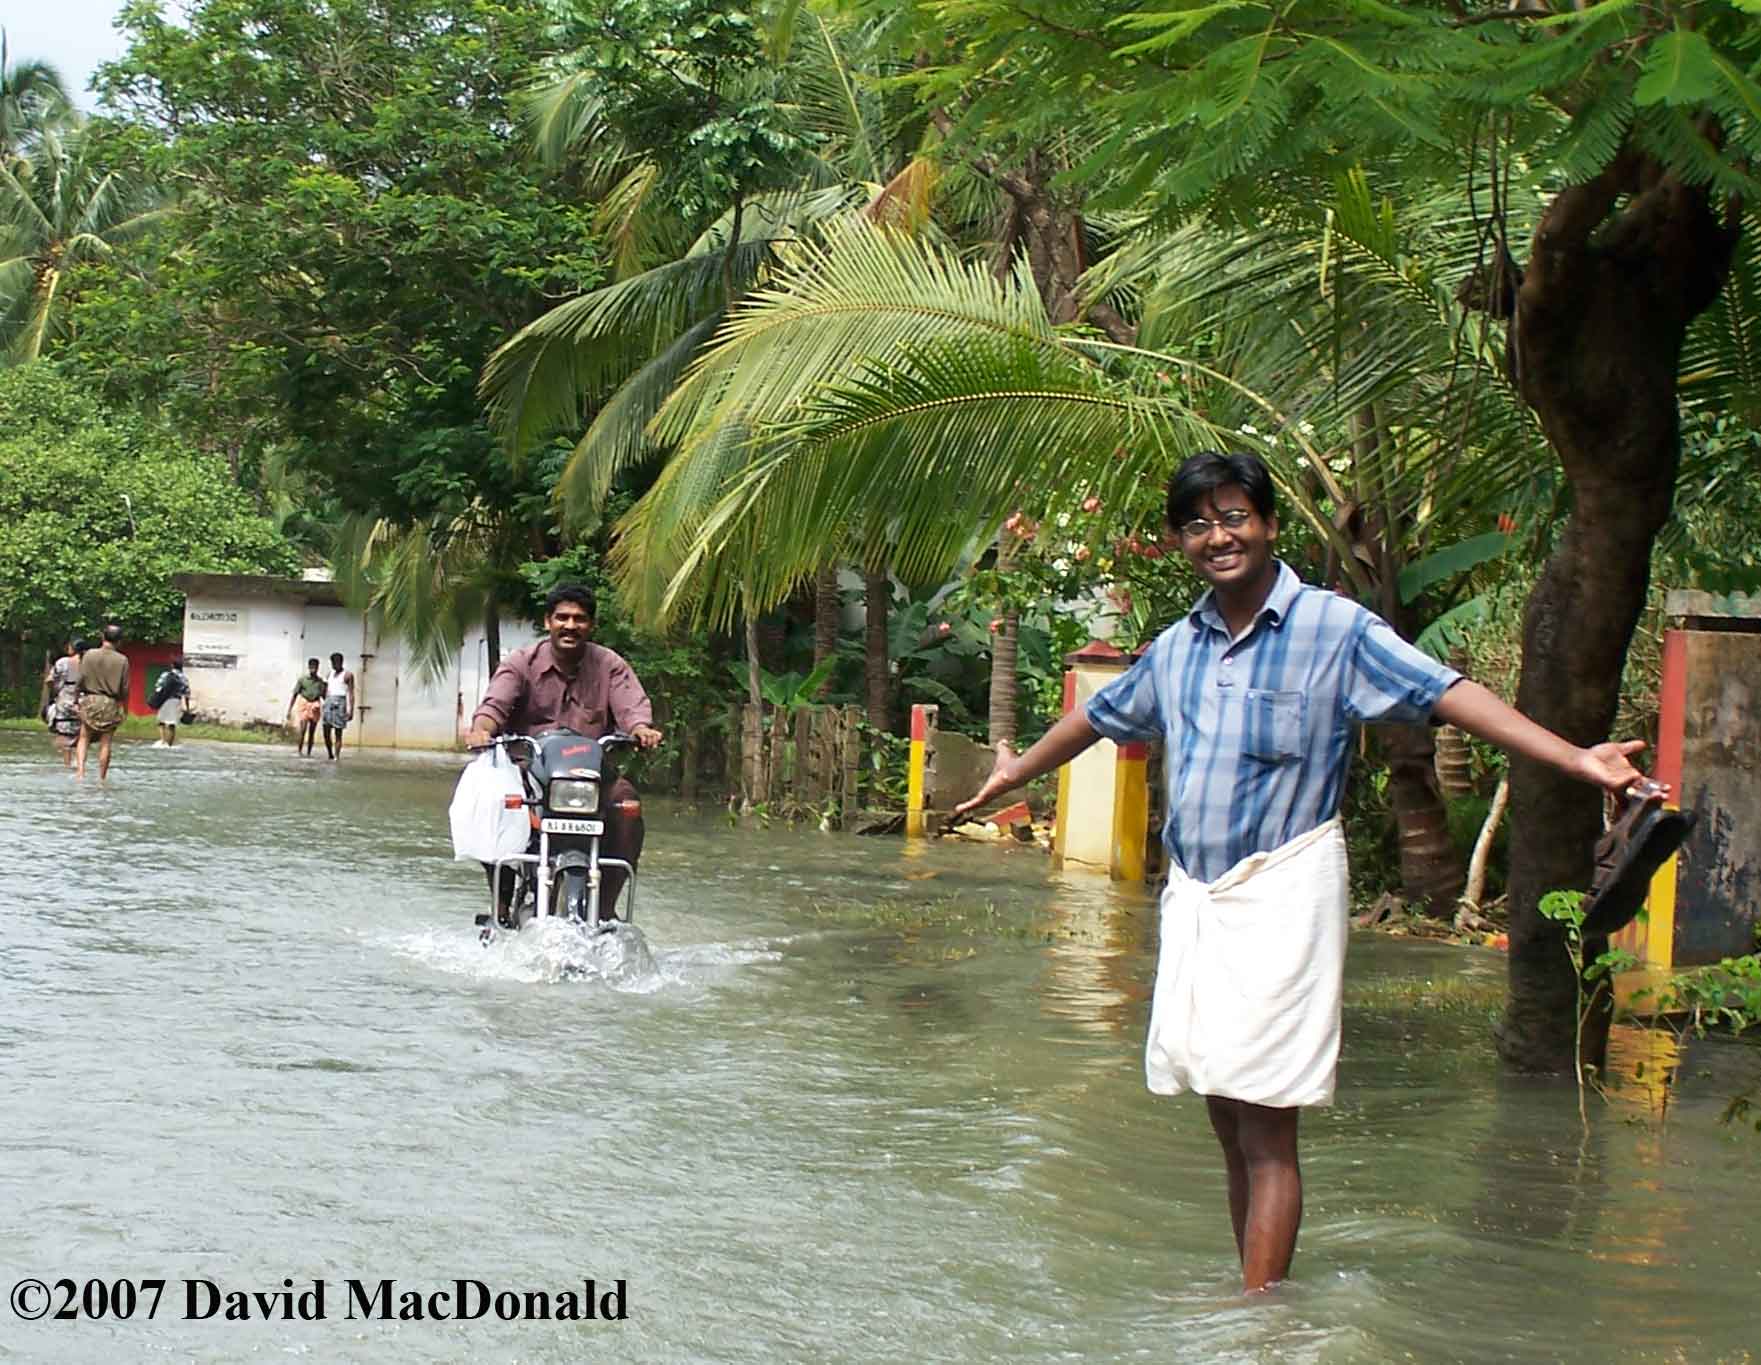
column 1642, row 838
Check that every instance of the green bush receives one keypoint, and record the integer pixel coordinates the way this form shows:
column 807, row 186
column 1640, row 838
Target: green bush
column 98, row 511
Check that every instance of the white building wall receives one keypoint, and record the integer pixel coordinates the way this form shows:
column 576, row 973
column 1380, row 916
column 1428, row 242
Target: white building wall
column 241, row 654
column 244, row 654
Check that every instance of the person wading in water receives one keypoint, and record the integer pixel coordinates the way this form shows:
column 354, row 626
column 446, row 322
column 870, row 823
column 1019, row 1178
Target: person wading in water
column 103, row 699
column 1256, row 694
column 339, row 706
column 305, row 706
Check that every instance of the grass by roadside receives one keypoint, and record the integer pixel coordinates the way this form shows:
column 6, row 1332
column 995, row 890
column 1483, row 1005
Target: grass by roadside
column 144, row 727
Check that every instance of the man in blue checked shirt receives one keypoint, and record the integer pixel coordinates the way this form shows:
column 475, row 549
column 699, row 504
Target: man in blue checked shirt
column 1257, row 693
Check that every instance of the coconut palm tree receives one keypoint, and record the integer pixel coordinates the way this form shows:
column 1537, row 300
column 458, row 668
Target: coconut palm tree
column 33, row 99
column 58, row 207
column 430, row 581
column 880, row 374
column 607, row 360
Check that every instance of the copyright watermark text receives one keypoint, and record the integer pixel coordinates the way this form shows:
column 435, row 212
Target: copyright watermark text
column 202, row 1300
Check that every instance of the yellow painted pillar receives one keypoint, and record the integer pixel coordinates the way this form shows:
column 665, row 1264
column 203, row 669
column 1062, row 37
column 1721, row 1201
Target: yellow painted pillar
column 920, row 727
column 1061, row 816
column 1103, row 796
column 1651, row 937
column 1131, row 813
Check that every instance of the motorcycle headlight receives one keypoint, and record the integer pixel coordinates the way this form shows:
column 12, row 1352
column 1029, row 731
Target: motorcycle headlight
column 577, row 796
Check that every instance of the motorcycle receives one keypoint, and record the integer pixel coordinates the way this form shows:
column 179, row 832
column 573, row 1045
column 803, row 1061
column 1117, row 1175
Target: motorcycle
column 563, row 776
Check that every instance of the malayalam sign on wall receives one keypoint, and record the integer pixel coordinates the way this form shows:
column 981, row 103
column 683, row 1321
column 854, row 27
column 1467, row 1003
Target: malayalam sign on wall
column 214, row 637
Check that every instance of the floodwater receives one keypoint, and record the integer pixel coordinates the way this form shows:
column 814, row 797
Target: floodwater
column 247, row 1035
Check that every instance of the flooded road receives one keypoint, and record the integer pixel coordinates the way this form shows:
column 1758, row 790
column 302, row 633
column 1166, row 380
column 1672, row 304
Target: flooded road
column 247, row 1035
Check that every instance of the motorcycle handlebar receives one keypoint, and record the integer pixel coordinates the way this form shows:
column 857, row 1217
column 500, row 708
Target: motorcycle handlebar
column 617, row 739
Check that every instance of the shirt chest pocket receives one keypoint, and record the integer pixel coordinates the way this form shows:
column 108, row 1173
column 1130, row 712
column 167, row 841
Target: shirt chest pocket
column 1272, row 728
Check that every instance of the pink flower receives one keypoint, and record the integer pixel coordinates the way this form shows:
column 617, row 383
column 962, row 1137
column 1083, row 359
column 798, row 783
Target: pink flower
column 1013, row 521
column 1081, row 553
column 996, row 624
column 1091, row 504
column 943, row 628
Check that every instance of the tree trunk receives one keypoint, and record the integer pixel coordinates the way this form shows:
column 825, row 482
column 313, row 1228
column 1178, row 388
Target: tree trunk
column 1048, row 231
column 1455, row 762
column 492, row 633
column 877, row 598
column 1005, row 654
column 1430, row 867
column 754, row 689
column 1431, row 870
column 828, row 610
column 1595, row 342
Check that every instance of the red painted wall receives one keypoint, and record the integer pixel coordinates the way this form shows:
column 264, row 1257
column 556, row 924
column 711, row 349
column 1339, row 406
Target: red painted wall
column 144, row 662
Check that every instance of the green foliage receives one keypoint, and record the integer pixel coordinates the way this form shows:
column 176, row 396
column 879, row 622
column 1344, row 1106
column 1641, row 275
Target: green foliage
column 1372, row 842
column 1725, row 996
column 357, row 229
column 33, row 100
column 787, row 690
column 1711, row 543
column 1442, row 565
column 97, row 512
column 692, row 83
column 60, row 207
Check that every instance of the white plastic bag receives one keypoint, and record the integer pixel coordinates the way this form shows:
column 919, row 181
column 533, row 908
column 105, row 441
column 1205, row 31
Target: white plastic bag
column 484, row 828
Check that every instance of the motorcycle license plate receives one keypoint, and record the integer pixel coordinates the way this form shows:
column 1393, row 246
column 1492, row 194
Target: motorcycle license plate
column 556, row 824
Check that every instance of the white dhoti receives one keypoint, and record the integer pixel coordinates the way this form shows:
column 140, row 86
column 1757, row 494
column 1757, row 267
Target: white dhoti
column 1249, row 976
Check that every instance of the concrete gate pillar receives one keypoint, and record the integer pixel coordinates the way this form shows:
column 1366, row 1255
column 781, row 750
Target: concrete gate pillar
column 1705, row 903
column 1103, row 794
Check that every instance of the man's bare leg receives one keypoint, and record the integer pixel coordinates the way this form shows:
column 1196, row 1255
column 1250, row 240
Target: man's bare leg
column 85, row 739
column 1228, row 1131
column 1265, row 1186
column 104, row 755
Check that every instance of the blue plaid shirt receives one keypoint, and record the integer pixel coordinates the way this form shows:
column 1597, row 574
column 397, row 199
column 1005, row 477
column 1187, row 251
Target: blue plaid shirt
column 1258, row 730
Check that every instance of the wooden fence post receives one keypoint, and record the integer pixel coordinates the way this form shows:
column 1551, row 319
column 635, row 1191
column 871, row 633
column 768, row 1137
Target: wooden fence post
column 777, row 788
column 850, row 757
column 805, row 776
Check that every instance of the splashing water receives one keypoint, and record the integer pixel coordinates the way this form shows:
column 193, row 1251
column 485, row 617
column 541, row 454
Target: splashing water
column 543, row 953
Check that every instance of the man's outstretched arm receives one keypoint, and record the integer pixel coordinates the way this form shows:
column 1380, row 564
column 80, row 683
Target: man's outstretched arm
column 1063, row 742
column 1469, row 706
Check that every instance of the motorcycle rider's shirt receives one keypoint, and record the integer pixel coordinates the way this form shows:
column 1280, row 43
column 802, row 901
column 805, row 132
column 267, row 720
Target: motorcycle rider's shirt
column 530, row 693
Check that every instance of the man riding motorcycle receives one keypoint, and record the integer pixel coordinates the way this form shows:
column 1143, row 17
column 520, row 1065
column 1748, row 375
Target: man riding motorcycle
column 567, row 680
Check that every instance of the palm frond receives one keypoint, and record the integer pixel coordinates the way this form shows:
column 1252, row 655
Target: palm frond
column 615, row 440
column 545, row 378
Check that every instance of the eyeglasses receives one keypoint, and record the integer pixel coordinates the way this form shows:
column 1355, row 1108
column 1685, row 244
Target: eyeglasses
column 1199, row 527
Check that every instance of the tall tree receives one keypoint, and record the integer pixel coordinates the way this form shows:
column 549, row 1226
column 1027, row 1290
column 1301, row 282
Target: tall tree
column 358, row 227
column 59, row 208
column 745, row 129
column 33, row 99
column 98, row 510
